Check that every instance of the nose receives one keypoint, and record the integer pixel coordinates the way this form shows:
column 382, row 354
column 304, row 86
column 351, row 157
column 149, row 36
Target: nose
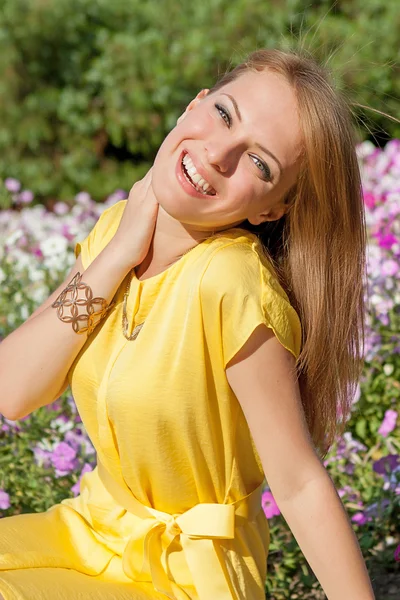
column 223, row 154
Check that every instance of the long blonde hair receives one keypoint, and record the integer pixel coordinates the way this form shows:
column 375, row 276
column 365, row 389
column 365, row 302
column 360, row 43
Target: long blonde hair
column 319, row 246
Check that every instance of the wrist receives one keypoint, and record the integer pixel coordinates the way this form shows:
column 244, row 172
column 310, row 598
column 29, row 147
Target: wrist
column 119, row 257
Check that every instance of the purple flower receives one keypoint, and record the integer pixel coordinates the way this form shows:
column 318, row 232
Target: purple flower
column 42, row 457
column 77, row 487
column 349, row 492
column 74, row 438
column 387, row 463
column 63, row 459
column 377, row 509
column 269, row 505
column 4, row 500
column 12, row 185
column 388, row 423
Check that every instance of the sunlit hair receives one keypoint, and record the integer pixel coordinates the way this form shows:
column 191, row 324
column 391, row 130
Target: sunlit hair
column 318, row 247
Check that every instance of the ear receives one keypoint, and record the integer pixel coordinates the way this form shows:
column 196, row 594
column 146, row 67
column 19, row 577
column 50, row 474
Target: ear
column 202, row 94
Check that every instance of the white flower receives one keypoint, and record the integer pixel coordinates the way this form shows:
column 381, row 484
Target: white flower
column 55, row 244
column 14, row 237
column 365, row 148
column 36, row 275
column 11, row 318
column 62, row 425
column 388, row 369
column 24, row 312
column 38, row 295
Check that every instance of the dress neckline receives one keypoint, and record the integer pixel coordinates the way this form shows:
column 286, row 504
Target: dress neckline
column 154, row 279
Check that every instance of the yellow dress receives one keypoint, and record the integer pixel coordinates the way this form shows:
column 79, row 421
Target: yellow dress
column 173, row 507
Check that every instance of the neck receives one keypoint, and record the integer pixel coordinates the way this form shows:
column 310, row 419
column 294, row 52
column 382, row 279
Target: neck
column 171, row 240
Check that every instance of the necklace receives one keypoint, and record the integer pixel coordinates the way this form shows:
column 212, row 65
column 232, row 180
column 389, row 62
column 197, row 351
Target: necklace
column 136, row 329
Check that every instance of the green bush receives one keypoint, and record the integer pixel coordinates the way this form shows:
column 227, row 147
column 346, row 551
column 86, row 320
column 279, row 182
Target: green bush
column 90, row 88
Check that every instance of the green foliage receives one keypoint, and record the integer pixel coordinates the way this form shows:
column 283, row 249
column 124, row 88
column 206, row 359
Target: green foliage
column 32, row 485
column 90, row 88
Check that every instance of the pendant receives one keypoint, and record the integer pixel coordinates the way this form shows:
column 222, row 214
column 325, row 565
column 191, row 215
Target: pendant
column 135, row 332
column 136, row 329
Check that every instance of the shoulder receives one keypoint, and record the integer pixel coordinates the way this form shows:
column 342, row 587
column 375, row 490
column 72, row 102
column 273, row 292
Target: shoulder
column 240, row 282
column 101, row 234
column 238, row 262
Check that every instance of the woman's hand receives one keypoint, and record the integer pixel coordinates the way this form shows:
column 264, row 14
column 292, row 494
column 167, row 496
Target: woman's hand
column 136, row 228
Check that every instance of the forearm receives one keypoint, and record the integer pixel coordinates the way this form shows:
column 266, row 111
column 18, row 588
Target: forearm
column 321, row 526
column 36, row 357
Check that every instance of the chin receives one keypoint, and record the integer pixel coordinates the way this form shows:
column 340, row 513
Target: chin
column 181, row 213
column 175, row 204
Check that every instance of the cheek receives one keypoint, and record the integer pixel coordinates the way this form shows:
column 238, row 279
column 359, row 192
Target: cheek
column 243, row 187
column 198, row 124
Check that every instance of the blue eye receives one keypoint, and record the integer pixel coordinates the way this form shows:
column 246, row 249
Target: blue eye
column 228, row 120
column 265, row 169
column 224, row 114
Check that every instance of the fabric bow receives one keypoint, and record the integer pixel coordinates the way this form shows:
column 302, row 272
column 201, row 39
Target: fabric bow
column 147, row 547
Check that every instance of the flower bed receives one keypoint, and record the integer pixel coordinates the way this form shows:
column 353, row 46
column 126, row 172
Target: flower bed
column 45, row 455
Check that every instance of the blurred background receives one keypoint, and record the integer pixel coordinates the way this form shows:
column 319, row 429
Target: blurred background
column 88, row 91
column 90, row 88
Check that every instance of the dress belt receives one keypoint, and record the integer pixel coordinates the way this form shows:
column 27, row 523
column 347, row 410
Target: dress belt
column 146, row 549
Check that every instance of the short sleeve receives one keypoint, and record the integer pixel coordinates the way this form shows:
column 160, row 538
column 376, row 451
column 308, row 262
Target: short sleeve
column 238, row 292
column 100, row 235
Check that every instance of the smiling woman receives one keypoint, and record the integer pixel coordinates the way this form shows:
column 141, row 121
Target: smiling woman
column 229, row 354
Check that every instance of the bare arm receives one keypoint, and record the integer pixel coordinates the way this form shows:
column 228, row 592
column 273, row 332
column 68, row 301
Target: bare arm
column 262, row 378
column 36, row 357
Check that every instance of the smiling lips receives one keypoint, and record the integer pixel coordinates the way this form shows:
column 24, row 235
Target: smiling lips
column 190, row 179
column 194, row 177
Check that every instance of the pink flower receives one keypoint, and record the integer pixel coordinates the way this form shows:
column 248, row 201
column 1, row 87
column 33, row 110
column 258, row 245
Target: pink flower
column 12, row 185
column 61, row 208
column 269, row 505
column 4, row 500
column 386, row 240
column 388, row 423
column 26, row 197
column 83, row 198
column 397, row 554
column 359, row 518
column 390, row 267
column 370, row 200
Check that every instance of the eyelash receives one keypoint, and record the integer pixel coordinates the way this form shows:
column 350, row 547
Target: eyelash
column 267, row 172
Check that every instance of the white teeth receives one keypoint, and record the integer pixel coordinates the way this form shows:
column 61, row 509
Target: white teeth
column 197, row 179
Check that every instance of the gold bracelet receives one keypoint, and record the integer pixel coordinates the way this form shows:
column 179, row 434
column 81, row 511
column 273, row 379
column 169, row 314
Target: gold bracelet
column 73, row 302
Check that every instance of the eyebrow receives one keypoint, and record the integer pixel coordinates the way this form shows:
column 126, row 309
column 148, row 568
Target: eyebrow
column 239, row 116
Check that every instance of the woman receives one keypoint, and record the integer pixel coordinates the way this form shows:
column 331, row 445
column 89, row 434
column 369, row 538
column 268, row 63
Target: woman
column 226, row 348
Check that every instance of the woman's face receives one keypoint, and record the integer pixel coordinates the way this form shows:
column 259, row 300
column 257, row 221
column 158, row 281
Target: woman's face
column 225, row 149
